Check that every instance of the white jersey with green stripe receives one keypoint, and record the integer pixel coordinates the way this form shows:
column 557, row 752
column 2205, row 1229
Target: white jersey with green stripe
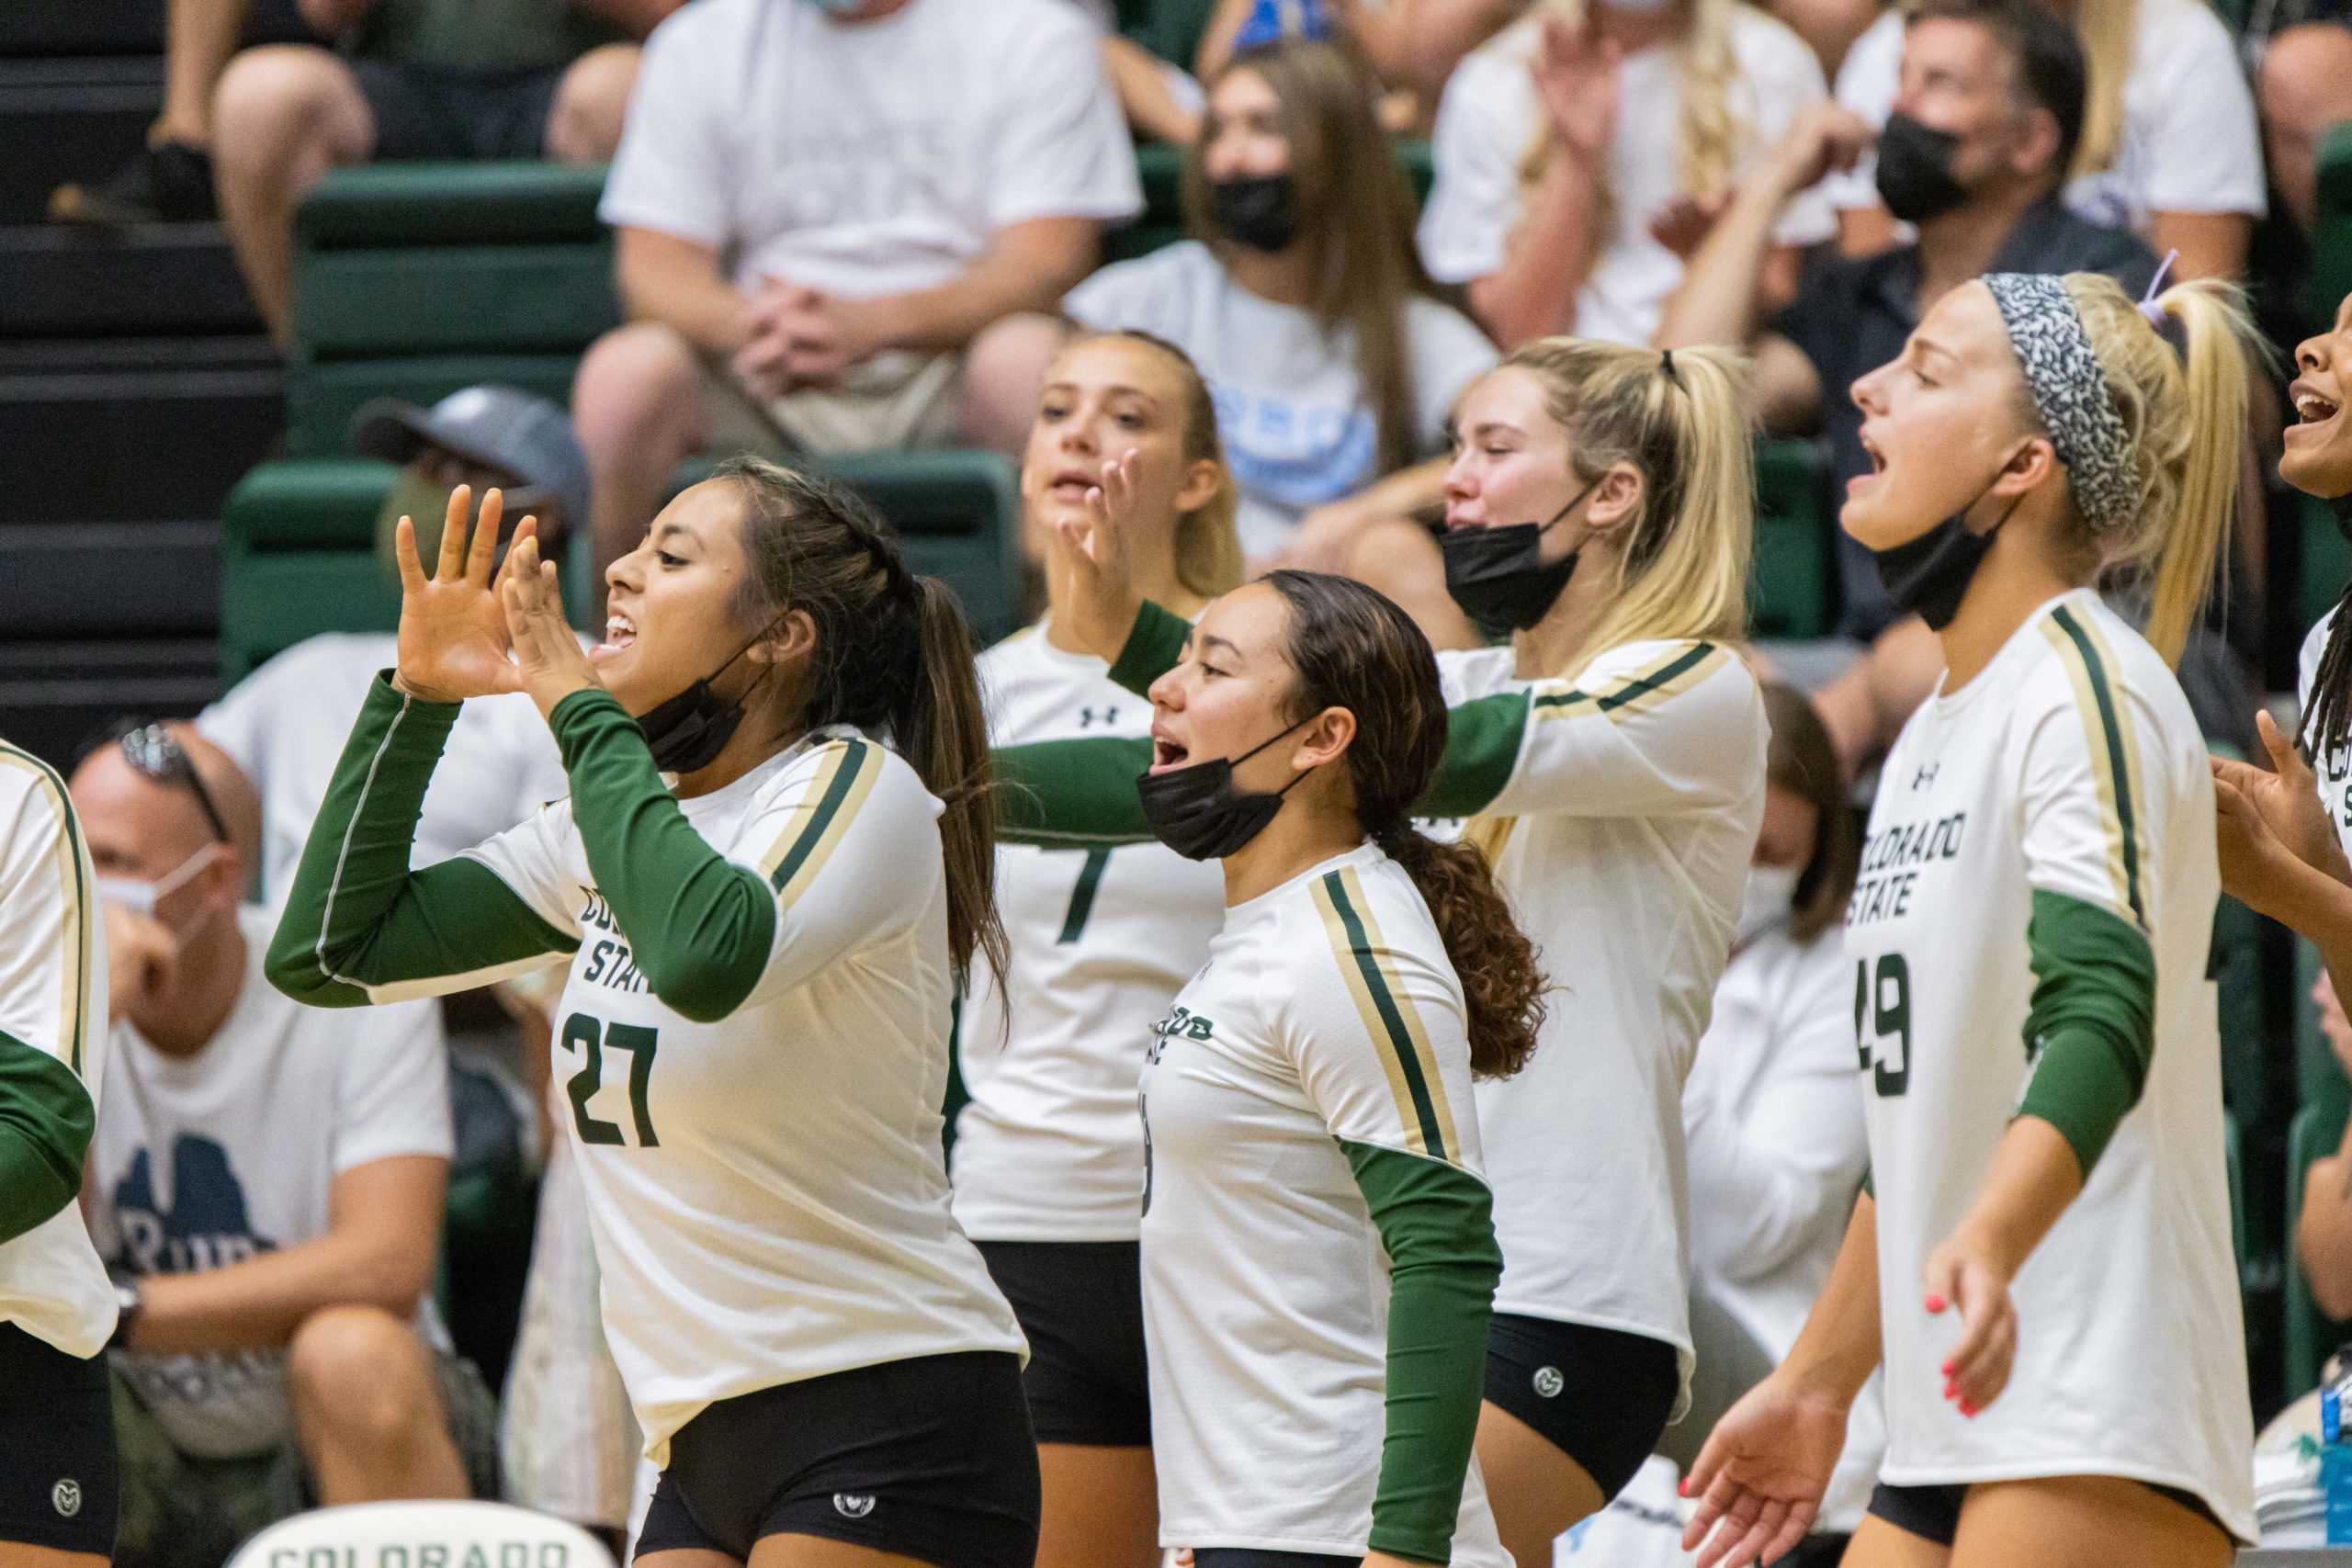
column 2333, row 772
column 2070, row 769
column 1050, row 1148
column 1327, row 1012
column 767, row 1191
column 52, row 1055
column 1637, row 791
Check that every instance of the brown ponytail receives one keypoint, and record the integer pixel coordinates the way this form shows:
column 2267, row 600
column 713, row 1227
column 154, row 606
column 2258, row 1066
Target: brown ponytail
column 894, row 653
column 1353, row 648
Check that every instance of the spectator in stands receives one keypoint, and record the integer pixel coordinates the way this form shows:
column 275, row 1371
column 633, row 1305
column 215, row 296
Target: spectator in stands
column 1579, row 161
column 2167, row 147
column 1333, row 367
column 818, row 207
column 2323, row 1230
column 269, row 723
column 2305, row 88
column 410, row 79
column 1986, row 124
column 265, row 1185
column 1777, row 1146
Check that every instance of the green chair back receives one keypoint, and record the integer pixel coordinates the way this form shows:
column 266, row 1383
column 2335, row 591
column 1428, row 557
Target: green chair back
column 1792, row 581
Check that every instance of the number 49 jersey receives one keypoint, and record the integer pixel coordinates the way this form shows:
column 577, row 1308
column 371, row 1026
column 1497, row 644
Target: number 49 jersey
column 2069, row 766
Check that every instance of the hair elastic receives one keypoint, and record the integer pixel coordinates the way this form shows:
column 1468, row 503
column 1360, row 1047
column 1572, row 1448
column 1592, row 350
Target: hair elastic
column 2148, row 307
column 1666, row 364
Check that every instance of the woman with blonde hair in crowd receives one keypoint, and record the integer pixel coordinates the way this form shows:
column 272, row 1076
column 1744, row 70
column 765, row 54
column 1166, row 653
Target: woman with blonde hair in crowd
column 1598, row 515
column 2169, row 146
column 1300, row 297
column 1048, row 1156
column 2042, row 1257
column 1581, row 153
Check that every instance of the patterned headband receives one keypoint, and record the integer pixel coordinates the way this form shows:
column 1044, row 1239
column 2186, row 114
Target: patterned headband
column 2069, row 391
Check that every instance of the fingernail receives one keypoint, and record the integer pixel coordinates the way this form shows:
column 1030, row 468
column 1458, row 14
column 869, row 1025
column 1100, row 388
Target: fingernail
column 1949, row 1365
column 1969, row 1410
column 1682, row 1487
column 1935, row 1304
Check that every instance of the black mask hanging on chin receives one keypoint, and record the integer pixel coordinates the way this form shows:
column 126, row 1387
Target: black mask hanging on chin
column 1260, row 211
column 1497, row 575
column 688, row 731
column 1931, row 574
column 1197, row 811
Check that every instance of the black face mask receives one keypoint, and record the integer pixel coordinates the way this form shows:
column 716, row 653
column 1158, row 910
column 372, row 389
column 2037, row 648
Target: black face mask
column 1914, row 177
column 1197, row 812
column 1256, row 210
column 1497, row 575
column 688, row 731
column 1931, row 574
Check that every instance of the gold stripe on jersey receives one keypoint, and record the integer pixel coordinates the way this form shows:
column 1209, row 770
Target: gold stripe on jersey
column 2107, row 736
column 74, row 935
column 1640, row 691
column 1390, row 1020
column 843, row 781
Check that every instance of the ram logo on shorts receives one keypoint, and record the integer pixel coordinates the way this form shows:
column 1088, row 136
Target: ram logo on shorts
column 66, row 1497
column 852, row 1505
column 1549, row 1382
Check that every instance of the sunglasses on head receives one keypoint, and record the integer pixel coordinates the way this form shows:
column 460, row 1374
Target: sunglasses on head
column 152, row 752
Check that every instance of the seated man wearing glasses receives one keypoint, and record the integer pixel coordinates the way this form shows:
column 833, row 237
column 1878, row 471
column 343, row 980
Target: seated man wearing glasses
column 265, row 1186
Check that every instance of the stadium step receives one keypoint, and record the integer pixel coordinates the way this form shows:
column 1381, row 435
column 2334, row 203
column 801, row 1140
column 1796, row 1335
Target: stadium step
column 157, row 280
column 82, row 26
column 69, row 120
column 80, row 581
column 53, row 695
column 133, row 430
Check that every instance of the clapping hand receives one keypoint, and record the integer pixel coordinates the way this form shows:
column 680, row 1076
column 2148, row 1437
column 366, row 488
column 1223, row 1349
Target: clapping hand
column 547, row 661
column 453, row 641
column 1576, row 81
column 1091, row 555
column 2286, row 796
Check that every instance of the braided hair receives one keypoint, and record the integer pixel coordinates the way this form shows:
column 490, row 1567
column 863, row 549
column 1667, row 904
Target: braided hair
column 894, row 655
column 2329, row 715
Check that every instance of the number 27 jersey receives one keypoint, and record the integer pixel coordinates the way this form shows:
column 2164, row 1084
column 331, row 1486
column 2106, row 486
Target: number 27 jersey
column 2069, row 766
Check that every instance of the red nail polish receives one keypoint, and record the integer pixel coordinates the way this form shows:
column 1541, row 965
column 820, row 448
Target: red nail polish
column 1968, row 1410
column 1935, row 1304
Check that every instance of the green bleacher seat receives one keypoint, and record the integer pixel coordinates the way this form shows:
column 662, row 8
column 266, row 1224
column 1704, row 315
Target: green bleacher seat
column 2331, row 277
column 419, row 278
column 2311, row 1334
column 1169, row 28
column 1161, row 169
column 1792, row 587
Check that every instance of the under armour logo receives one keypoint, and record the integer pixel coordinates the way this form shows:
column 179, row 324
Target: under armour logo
column 66, row 1497
column 1924, row 776
column 852, row 1505
column 1088, row 717
column 1549, row 1382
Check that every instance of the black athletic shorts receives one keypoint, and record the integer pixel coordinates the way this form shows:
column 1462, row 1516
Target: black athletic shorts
column 1081, row 1302
column 444, row 115
column 1600, row 1396
column 1932, row 1512
column 1250, row 1557
column 929, row 1458
column 60, row 1486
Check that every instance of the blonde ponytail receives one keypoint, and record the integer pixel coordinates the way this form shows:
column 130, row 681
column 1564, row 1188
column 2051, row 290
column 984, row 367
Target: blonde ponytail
column 2109, row 33
column 2186, row 416
column 1683, row 571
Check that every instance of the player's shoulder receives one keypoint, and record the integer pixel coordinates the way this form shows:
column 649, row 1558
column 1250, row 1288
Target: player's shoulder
column 842, row 771
column 2089, row 666
column 1693, row 673
column 35, row 809
column 2307, row 658
column 1363, row 915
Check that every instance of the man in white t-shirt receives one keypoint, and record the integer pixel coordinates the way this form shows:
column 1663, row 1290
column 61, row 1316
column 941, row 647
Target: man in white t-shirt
column 265, row 1185
column 819, row 204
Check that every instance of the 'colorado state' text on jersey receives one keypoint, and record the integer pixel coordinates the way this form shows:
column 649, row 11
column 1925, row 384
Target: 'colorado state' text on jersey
column 1051, row 1149
column 2070, row 766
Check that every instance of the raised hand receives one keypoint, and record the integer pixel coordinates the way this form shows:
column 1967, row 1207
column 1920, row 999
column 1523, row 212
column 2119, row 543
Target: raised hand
column 548, row 658
column 2254, row 864
column 453, row 639
column 1961, row 1276
column 2287, row 797
column 1683, row 224
column 1576, row 81
column 1761, row 1477
column 1090, row 555
column 1823, row 137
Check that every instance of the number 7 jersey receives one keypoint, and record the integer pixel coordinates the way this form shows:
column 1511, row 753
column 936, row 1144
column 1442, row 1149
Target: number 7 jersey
column 2068, row 772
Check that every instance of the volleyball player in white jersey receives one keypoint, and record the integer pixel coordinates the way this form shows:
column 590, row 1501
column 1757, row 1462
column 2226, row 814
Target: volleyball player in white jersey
column 2046, row 1260
column 1316, row 1233
column 58, row 1469
column 1048, row 1155
column 1616, row 749
column 764, row 954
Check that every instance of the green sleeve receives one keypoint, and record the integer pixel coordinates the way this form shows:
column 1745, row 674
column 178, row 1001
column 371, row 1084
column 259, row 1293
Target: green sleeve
column 2091, row 1028
column 358, row 926
column 1072, row 794
column 46, row 1121
column 700, row 926
column 1155, row 645
column 1437, row 1223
